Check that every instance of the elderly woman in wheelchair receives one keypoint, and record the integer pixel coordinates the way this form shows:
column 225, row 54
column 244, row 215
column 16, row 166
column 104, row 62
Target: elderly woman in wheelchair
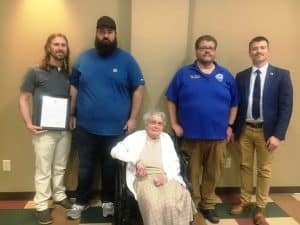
column 153, row 174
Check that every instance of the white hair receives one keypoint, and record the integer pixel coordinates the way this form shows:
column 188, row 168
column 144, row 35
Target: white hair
column 155, row 112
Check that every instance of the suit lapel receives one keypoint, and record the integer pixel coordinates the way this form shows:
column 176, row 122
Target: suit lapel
column 268, row 87
column 247, row 84
column 269, row 76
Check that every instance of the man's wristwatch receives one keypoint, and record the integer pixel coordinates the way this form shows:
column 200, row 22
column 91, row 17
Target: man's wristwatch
column 230, row 125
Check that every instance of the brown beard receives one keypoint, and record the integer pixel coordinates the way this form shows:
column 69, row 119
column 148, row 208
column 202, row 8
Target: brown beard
column 58, row 58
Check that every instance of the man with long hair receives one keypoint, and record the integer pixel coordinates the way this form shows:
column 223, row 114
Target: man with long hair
column 51, row 148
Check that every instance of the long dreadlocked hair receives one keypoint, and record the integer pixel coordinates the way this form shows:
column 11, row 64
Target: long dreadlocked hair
column 45, row 64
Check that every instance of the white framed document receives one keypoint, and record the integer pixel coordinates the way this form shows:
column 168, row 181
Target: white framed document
column 54, row 112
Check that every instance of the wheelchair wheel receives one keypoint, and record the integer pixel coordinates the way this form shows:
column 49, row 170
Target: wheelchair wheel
column 120, row 215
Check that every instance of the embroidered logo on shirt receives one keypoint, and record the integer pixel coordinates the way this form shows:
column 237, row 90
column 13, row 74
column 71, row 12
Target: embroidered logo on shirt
column 115, row 70
column 219, row 77
column 194, row 76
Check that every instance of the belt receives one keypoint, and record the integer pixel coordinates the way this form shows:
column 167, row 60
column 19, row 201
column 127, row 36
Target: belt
column 255, row 125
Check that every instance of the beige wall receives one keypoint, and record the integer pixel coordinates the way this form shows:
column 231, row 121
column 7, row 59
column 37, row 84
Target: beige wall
column 160, row 34
column 25, row 26
column 234, row 23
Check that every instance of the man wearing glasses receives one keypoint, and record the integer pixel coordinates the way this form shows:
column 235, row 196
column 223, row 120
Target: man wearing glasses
column 202, row 104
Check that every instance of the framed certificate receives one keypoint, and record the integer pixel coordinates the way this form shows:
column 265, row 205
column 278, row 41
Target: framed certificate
column 54, row 112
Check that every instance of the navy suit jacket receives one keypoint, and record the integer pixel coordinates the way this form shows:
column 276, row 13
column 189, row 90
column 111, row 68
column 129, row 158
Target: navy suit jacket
column 277, row 102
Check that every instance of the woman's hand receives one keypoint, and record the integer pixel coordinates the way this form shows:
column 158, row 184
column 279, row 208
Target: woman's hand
column 141, row 169
column 160, row 180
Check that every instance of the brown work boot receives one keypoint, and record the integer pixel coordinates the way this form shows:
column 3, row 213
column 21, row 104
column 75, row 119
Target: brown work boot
column 239, row 208
column 259, row 217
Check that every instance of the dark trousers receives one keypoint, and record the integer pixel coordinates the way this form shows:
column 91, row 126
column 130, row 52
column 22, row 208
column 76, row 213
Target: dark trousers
column 91, row 149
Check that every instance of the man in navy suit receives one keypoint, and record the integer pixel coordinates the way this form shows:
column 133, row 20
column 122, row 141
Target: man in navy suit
column 264, row 112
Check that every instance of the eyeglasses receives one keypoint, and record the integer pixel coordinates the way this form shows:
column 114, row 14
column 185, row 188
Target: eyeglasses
column 207, row 48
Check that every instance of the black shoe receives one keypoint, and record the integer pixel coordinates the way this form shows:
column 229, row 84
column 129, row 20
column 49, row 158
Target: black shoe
column 210, row 215
column 44, row 217
column 66, row 203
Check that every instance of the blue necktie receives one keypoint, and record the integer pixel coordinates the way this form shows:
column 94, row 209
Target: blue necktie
column 256, row 96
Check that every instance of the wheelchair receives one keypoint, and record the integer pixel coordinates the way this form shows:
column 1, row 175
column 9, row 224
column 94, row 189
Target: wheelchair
column 125, row 204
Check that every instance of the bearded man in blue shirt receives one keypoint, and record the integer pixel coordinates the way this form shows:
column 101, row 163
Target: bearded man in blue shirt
column 106, row 89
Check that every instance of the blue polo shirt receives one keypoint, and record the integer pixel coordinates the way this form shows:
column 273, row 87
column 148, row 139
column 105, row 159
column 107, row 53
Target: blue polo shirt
column 104, row 90
column 203, row 101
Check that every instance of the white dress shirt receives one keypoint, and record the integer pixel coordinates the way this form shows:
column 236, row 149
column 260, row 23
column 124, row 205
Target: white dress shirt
column 263, row 74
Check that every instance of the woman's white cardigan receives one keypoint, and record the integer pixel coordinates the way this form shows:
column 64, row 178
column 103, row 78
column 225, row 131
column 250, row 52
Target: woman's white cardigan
column 129, row 151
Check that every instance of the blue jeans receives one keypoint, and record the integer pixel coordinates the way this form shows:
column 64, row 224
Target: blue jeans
column 92, row 148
